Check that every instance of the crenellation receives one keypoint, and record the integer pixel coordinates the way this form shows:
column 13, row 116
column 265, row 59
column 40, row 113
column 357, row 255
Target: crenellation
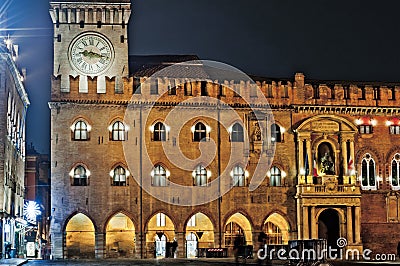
column 76, row 13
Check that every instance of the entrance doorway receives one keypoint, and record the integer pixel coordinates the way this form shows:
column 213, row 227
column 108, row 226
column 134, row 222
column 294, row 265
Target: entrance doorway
column 191, row 245
column 161, row 245
column 329, row 227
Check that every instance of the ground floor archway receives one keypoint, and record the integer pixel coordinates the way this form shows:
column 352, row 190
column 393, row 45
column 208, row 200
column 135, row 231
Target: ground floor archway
column 160, row 236
column 199, row 235
column 329, row 226
column 237, row 230
column 120, row 237
column 80, row 237
column 276, row 228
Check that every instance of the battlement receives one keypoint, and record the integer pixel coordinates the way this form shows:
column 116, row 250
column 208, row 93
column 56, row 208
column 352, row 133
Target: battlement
column 90, row 12
column 279, row 93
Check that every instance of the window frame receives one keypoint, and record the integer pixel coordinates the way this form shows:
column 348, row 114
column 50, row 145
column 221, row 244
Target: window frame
column 275, row 175
column 120, row 131
column 394, row 129
column 368, row 163
column 119, row 183
column 238, row 176
column 395, row 162
column 81, row 130
column 159, row 132
column 237, row 133
column 159, row 176
column 80, row 179
column 199, row 173
column 276, row 136
column 198, row 132
column 365, row 129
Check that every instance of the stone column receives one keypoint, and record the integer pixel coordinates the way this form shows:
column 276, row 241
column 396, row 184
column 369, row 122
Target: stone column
column 310, row 166
column 299, row 221
column 57, row 245
column 138, row 246
column 301, row 159
column 180, row 237
column 357, row 225
column 306, row 234
column 349, row 225
column 99, row 248
column 314, row 228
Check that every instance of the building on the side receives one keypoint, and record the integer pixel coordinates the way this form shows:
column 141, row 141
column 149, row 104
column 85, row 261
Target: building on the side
column 37, row 190
column 334, row 173
column 13, row 107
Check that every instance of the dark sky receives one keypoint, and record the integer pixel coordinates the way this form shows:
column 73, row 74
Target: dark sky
column 325, row 39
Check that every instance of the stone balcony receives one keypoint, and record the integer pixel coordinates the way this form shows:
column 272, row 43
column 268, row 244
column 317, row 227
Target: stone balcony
column 329, row 189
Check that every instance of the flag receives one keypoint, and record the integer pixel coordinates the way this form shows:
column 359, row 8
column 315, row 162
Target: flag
column 315, row 173
column 306, row 166
column 350, row 166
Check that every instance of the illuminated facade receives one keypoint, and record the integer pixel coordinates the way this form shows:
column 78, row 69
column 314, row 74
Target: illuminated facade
column 13, row 106
column 328, row 165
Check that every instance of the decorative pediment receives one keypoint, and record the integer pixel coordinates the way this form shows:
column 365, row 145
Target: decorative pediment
column 326, row 123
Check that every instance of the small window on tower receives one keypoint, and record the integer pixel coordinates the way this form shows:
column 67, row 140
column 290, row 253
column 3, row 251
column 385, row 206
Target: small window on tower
column 81, row 24
column 99, row 24
column 59, row 38
column 122, row 38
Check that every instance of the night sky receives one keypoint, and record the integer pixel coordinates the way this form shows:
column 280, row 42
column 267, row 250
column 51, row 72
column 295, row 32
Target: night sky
column 324, row 39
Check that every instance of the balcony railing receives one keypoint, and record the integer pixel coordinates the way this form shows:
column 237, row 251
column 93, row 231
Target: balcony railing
column 328, row 189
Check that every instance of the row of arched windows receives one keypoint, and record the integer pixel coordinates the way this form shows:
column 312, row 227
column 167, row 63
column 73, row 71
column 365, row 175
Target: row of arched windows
column 369, row 178
column 81, row 131
column 118, row 132
column 160, row 176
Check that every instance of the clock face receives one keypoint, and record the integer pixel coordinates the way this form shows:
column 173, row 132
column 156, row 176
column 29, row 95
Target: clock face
column 91, row 54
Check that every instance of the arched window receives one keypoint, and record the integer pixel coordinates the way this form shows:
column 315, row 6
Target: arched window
column 200, row 176
column 200, row 132
column 237, row 133
column 275, row 177
column 234, row 233
column 159, row 176
column 118, row 131
column 395, row 177
column 80, row 176
column 80, row 131
column 160, row 133
column 368, row 178
column 119, row 176
column 238, row 176
column 276, row 135
column 274, row 233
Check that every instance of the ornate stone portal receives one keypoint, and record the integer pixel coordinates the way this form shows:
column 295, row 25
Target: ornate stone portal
column 325, row 144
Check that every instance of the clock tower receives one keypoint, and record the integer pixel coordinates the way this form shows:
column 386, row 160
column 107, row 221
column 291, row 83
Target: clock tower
column 90, row 67
column 90, row 42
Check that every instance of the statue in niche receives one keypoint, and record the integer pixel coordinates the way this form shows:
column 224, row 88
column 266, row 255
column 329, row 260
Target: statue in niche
column 257, row 132
column 327, row 165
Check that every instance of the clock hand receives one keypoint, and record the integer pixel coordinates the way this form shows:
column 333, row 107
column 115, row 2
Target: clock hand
column 91, row 54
